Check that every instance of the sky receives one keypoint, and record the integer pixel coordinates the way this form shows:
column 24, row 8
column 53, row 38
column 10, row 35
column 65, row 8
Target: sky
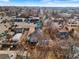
column 41, row 3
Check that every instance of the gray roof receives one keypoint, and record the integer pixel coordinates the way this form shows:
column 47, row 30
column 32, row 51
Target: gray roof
column 4, row 56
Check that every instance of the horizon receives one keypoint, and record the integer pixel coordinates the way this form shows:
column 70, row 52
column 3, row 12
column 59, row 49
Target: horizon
column 40, row 3
column 44, row 6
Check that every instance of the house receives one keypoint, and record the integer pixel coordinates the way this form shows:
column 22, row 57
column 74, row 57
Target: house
column 63, row 35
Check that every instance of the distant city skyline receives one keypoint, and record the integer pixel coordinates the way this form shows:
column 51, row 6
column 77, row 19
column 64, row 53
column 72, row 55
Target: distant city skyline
column 41, row 3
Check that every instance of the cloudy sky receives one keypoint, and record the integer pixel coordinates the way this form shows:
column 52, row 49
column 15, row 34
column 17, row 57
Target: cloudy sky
column 43, row 3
